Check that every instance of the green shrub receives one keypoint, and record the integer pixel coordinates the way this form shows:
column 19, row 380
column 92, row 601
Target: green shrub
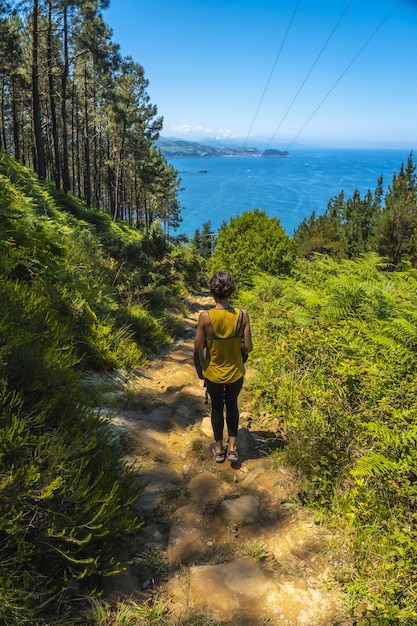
column 189, row 267
column 252, row 243
column 69, row 282
column 144, row 327
column 66, row 500
column 335, row 354
column 173, row 324
column 108, row 347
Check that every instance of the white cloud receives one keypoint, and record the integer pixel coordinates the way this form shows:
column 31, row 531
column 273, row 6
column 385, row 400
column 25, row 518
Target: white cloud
column 187, row 129
column 201, row 131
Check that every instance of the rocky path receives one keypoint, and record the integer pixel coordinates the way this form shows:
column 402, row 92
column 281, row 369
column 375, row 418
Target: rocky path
column 222, row 544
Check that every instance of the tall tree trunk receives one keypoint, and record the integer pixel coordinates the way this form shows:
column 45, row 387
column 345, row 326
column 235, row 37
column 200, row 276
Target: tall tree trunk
column 77, row 149
column 87, row 167
column 52, row 101
column 110, row 181
column 96, row 155
column 16, row 138
column 97, row 167
column 119, row 174
column 64, row 83
column 3, row 142
column 40, row 166
column 147, row 214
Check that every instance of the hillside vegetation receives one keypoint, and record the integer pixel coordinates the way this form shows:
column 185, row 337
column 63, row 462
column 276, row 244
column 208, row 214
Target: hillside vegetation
column 77, row 292
column 334, row 379
column 335, row 340
column 92, row 279
column 336, row 362
column 334, row 320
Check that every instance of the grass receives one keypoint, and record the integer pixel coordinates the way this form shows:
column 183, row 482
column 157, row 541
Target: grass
column 154, row 562
column 196, row 445
column 128, row 613
column 256, row 549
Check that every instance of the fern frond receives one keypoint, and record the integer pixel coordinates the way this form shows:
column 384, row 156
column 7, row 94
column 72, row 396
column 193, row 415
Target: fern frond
column 336, row 308
column 301, row 315
column 373, row 464
column 392, row 439
column 304, row 294
column 382, row 434
column 371, row 261
column 403, row 330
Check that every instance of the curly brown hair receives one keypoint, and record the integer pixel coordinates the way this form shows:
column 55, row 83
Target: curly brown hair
column 221, row 285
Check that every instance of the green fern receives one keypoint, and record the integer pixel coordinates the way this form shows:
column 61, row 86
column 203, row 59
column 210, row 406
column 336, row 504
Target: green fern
column 403, row 330
column 374, row 464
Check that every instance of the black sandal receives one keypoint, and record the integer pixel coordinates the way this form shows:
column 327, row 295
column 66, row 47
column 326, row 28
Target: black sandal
column 232, row 455
column 219, row 457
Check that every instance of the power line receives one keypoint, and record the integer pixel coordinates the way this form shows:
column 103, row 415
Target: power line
column 309, row 72
column 272, row 71
column 344, row 72
column 311, row 69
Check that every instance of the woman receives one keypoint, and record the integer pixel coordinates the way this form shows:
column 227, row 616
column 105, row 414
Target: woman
column 225, row 332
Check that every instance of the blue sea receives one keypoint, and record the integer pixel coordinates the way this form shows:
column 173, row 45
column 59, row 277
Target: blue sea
column 289, row 188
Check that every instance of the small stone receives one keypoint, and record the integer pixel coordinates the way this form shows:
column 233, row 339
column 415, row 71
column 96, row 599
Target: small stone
column 206, row 428
column 207, row 487
column 243, row 510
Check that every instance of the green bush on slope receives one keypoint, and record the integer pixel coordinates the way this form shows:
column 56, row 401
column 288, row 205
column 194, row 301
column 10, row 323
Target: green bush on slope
column 83, row 269
column 252, row 243
column 336, row 360
column 67, row 499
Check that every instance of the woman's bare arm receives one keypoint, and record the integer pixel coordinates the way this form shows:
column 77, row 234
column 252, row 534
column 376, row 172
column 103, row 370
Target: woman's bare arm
column 200, row 335
column 247, row 333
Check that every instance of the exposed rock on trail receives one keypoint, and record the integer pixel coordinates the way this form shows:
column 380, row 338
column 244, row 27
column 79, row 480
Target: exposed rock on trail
column 223, row 540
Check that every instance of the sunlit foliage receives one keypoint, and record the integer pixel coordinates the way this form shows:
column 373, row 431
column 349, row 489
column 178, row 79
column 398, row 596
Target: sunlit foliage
column 336, row 359
column 77, row 292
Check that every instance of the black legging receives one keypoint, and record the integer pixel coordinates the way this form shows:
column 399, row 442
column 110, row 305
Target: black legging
column 220, row 396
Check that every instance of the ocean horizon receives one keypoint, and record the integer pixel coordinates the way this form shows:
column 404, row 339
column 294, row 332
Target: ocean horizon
column 290, row 188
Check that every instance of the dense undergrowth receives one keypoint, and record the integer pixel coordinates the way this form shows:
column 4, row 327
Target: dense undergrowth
column 336, row 360
column 77, row 292
column 334, row 376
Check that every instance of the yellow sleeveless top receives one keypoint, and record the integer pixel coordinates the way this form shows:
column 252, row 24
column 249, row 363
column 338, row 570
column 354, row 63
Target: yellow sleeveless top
column 224, row 362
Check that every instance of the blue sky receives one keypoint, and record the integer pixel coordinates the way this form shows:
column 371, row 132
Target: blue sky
column 277, row 73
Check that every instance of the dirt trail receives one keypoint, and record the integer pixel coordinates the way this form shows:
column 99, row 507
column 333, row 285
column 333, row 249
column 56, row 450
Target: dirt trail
column 224, row 541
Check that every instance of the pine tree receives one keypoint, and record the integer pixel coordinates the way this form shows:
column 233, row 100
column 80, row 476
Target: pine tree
column 40, row 163
column 322, row 233
column 397, row 227
column 203, row 241
column 207, row 240
column 64, row 83
column 358, row 224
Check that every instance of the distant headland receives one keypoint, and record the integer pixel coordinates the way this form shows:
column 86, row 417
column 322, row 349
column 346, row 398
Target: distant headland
column 172, row 148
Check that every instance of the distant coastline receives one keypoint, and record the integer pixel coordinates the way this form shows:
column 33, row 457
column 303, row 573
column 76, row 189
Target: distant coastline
column 290, row 189
column 173, row 148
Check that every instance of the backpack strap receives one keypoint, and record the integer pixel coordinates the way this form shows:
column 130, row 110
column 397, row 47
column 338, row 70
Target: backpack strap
column 212, row 327
column 239, row 324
